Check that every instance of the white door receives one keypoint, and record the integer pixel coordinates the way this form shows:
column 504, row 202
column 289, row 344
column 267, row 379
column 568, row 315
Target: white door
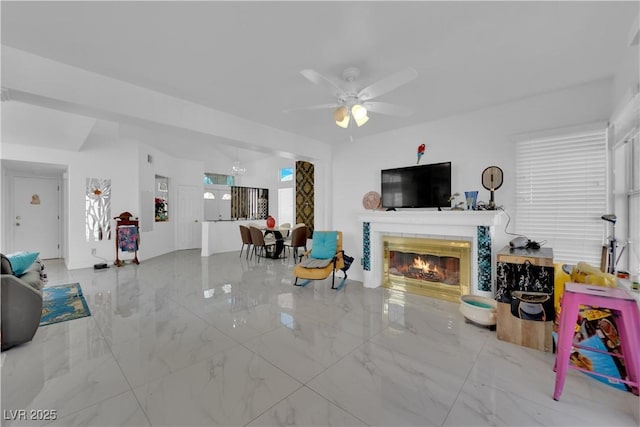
column 36, row 216
column 285, row 205
column 190, row 210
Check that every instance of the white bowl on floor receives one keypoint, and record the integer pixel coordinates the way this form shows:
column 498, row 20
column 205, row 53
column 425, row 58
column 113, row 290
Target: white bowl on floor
column 478, row 309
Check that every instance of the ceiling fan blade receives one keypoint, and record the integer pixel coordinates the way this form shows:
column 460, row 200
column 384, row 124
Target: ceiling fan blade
column 319, row 79
column 388, row 109
column 387, row 84
column 314, row 107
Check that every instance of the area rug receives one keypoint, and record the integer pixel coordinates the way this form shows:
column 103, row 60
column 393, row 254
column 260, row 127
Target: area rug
column 62, row 303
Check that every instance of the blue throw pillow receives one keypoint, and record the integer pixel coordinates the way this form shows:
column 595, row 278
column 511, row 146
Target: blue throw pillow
column 325, row 244
column 21, row 261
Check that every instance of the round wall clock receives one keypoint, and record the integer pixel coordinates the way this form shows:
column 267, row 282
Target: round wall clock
column 492, row 179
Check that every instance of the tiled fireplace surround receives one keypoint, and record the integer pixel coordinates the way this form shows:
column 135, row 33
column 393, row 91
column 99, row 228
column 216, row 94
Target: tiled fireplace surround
column 484, row 229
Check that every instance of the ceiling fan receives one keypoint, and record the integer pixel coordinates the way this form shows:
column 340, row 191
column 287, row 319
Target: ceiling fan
column 353, row 102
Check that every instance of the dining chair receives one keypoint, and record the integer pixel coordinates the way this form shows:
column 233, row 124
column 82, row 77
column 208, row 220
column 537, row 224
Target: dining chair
column 259, row 244
column 290, row 231
column 298, row 225
column 298, row 239
column 285, row 229
column 245, row 234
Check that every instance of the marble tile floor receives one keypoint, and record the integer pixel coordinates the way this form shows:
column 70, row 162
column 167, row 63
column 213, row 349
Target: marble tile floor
column 182, row 340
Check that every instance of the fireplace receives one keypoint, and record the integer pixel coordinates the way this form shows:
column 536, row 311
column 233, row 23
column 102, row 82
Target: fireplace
column 483, row 230
column 432, row 267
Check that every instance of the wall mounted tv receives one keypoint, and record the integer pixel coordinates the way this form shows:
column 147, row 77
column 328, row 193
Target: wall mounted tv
column 424, row 186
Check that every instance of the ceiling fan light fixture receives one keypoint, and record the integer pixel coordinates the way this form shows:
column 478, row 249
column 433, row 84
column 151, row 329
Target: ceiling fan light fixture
column 359, row 112
column 350, row 103
column 341, row 116
column 344, row 123
column 362, row 120
column 340, row 113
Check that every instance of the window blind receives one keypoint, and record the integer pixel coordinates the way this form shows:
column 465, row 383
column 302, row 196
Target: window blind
column 561, row 192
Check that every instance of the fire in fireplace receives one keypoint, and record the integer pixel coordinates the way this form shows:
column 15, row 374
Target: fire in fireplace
column 432, row 267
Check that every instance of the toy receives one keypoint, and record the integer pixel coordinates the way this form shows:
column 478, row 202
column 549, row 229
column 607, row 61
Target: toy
column 420, row 153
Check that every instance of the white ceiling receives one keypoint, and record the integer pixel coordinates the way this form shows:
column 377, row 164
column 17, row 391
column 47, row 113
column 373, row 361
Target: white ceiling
column 245, row 58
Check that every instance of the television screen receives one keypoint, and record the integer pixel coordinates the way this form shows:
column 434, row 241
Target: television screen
column 425, row 186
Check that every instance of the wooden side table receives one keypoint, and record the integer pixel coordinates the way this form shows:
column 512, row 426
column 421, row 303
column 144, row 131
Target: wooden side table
column 525, row 281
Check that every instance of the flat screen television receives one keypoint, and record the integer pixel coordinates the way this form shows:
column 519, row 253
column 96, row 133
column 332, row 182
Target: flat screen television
column 424, row 186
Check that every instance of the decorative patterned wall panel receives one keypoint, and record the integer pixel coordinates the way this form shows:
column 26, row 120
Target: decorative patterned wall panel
column 366, row 246
column 249, row 203
column 484, row 258
column 98, row 209
column 305, row 201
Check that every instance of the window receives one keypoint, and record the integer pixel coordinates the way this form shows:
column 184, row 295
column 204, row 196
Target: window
column 286, row 174
column 218, row 179
column 626, row 184
column 561, row 191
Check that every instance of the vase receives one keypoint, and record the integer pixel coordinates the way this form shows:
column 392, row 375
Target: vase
column 271, row 222
column 472, row 199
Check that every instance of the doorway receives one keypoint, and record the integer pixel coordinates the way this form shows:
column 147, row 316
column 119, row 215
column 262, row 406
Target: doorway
column 285, row 205
column 35, row 215
column 189, row 215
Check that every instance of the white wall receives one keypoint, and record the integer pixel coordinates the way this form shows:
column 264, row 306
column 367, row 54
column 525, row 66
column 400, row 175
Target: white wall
column 627, row 78
column 471, row 141
column 71, row 88
column 265, row 174
column 124, row 161
column 163, row 237
column 100, row 158
column 64, row 87
column 9, row 172
column 219, row 163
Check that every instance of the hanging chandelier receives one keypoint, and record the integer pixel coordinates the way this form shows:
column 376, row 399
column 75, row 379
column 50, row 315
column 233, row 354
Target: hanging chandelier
column 237, row 168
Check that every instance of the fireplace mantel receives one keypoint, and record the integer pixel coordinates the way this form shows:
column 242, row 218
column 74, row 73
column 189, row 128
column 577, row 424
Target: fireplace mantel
column 484, row 229
column 473, row 218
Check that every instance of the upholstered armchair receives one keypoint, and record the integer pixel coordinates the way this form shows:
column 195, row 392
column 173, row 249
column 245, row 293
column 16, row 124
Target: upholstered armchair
column 325, row 257
column 21, row 304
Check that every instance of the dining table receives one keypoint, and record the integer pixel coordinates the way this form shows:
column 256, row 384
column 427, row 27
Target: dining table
column 274, row 251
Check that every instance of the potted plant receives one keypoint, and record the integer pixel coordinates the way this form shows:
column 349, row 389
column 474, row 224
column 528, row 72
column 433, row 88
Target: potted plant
column 458, row 206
